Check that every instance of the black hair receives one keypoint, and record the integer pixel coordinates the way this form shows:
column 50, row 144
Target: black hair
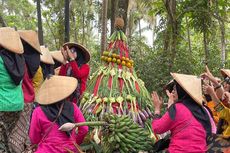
column 80, row 57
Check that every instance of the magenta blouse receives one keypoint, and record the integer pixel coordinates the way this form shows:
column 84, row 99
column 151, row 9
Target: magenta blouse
column 56, row 141
column 187, row 134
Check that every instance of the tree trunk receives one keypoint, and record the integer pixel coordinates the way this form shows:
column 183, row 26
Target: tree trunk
column 205, row 47
column 154, row 30
column 114, row 10
column 2, row 21
column 139, row 25
column 222, row 32
column 223, row 45
column 104, row 25
column 67, row 28
column 172, row 28
column 75, row 26
column 40, row 30
column 188, row 33
column 83, row 27
column 123, row 10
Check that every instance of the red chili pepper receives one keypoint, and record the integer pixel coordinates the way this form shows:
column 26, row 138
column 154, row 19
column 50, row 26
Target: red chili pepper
column 121, row 84
column 137, row 87
column 96, row 87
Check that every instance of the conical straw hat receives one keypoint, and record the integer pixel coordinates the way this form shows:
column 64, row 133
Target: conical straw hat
column 10, row 40
column 31, row 37
column 46, row 56
column 57, row 55
column 191, row 84
column 225, row 72
column 81, row 48
column 56, row 88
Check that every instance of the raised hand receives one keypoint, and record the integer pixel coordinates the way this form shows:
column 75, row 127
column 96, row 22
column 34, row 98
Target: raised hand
column 157, row 102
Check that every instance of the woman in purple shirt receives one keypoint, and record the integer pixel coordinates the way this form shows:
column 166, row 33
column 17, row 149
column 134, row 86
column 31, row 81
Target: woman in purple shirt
column 186, row 118
column 53, row 112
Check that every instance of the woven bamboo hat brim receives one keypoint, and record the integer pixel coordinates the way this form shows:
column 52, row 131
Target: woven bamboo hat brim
column 57, row 55
column 57, row 70
column 81, row 48
column 56, row 88
column 10, row 40
column 46, row 56
column 31, row 37
column 191, row 84
column 225, row 72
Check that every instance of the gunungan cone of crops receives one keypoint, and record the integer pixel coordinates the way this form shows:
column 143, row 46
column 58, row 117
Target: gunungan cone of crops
column 119, row 23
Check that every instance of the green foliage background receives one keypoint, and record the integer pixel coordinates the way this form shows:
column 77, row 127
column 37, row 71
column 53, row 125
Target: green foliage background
column 152, row 62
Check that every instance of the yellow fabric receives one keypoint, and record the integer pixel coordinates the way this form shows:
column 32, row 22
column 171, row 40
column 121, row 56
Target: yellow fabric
column 38, row 79
column 215, row 114
column 225, row 114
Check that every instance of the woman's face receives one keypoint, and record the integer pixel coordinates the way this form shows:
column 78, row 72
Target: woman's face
column 175, row 95
column 74, row 51
column 226, row 87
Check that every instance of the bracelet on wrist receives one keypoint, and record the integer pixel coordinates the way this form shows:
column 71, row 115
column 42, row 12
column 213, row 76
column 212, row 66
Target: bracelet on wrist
column 217, row 87
column 71, row 59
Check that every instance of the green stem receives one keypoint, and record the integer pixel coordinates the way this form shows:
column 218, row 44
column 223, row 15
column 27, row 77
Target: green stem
column 97, row 123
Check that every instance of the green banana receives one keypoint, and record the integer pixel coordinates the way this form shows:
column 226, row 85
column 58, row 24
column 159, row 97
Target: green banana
column 117, row 138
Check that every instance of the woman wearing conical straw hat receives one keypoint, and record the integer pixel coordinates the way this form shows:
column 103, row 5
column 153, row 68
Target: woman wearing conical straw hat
column 186, row 118
column 47, row 62
column 53, row 112
column 45, row 68
column 19, row 137
column 11, row 74
column 75, row 64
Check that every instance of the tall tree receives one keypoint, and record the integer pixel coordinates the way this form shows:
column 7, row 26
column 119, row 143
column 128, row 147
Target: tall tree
column 104, row 25
column 67, row 27
column 40, row 29
column 222, row 31
column 172, row 30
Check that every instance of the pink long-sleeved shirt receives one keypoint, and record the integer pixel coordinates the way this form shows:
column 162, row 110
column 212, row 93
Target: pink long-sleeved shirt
column 187, row 134
column 56, row 141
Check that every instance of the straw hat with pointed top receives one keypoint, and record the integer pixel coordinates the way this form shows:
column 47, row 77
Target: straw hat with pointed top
column 31, row 37
column 46, row 56
column 57, row 55
column 191, row 84
column 225, row 72
column 10, row 40
column 80, row 48
column 55, row 89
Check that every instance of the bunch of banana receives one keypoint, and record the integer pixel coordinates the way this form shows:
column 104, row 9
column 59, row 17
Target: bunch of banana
column 123, row 135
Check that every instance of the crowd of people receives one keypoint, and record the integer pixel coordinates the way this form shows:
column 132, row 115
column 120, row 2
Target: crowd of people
column 34, row 102
column 40, row 91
